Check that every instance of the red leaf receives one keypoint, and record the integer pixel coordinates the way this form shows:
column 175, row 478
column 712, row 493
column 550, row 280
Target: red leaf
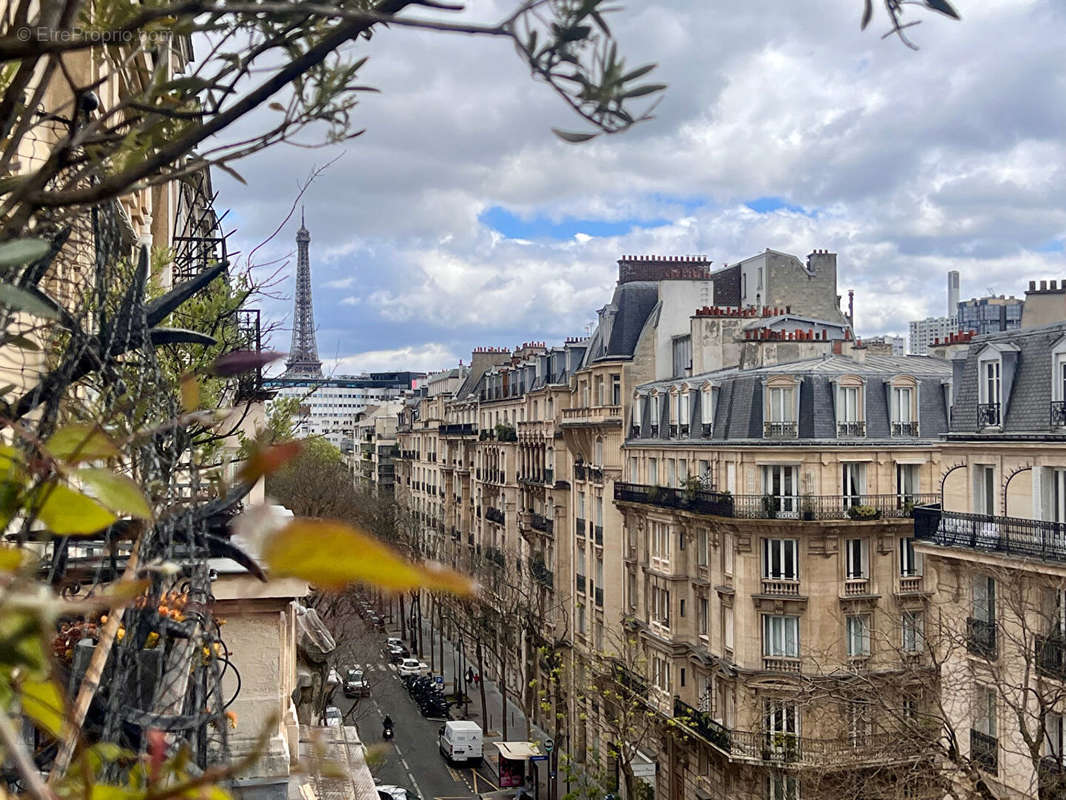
column 264, row 461
column 241, row 361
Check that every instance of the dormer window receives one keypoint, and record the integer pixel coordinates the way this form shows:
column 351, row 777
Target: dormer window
column 683, row 411
column 990, row 392
column 850, row 407
column 638, row 413
column 903, row 406
column 781, row 409
column 707, row 411
column 674, row 413
column 653, row 414
column 1058, row 385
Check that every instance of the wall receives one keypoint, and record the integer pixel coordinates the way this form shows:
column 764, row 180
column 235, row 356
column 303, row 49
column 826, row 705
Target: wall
column 678, row 300
column 810, row 291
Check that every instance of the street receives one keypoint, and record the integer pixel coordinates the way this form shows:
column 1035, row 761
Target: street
column 412, row 759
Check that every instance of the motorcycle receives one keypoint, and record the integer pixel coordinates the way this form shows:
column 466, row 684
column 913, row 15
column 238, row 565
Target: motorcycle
column 386, row 733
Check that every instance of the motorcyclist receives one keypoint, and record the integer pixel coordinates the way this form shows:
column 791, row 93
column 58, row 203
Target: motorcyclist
column 387, row 722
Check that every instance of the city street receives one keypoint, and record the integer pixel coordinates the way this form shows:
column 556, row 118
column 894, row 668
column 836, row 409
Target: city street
column 412, row 759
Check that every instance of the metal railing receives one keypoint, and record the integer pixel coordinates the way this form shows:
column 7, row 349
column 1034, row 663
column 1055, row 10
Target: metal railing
column 904, row 428
column 595, row 474
column 981, row 637
column 701, row 501
column 1050, row 655
column 846, row 429
column 459, row 429
column 579, row 472
column 780, row 430
column 599, row 596
column 1030, row 538
column 495, row 515
column 984, row 750
column 581, row 583
column 539, row 522
column 987, row 415
column 1058, row 413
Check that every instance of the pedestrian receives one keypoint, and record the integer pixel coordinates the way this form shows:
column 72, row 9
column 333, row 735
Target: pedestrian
column 477, row 679
column 469, row 674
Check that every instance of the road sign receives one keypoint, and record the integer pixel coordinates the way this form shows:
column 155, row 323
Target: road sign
column 549, row 745
column 439, row 679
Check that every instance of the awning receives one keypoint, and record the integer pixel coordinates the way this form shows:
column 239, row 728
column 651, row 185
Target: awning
column 522, row 751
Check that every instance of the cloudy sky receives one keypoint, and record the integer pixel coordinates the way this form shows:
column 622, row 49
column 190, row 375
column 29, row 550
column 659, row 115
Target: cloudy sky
column 458, row 219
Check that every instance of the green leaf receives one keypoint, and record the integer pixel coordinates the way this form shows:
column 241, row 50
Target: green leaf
column 21, row 342
column 80, row 442
column 43, row 703
column 22, row 251
column 943, row 7
column 574, row 138
column 639, row 72
column 117, row 492
column 332, row 555
column 18, row 299
column 640, row 91
column 66, row 512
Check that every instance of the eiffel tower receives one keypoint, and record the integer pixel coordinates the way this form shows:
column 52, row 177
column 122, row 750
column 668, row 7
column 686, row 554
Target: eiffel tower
column 303, row 354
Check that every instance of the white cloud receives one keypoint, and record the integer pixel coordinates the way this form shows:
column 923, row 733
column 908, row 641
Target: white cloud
column 342, row 283
column 422, row 358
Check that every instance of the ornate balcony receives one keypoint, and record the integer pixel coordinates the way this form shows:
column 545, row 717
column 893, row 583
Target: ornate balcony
column 780, row 588
column 592, row 415
column 851, row 429
column 595, row 474
column 904, row 428
column 541, row 523
column 780, row 664
column 495, row 515
column 988, row 415
column 459, row 429
column 1028, row 538
column 856, row 587
column 1050, row 653
column 910, row 584
column 780, row 430
column 579, row 472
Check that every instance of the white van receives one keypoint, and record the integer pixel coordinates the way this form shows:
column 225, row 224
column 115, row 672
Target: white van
column 461, row 741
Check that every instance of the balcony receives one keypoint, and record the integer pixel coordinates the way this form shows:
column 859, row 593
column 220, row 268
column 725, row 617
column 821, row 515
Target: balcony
column 904, row 428
column 780, row 664
column 581, row 583
column 981, row 637
column 780, row 430
column 495, row 515
column 540, row 572
column 856, row 587
column 579, row 472
column 988, row 415
column 1050, row 653
column 984, row 751
column 541, row 523
column 703, row 725
column 593, row 415
column 699, row 501
column 595, row 474
column 1058, row 413
column 775, row 587
column 705, row 430
column 495, row 556
column 459, row 429
column 851, row 429
column 910, row 584
column 549, row 477
column 1028, row 538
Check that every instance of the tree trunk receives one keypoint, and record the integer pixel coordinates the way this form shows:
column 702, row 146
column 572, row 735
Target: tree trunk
column 403, row 620
column 479, row 655
column 432, row 651
column 440, row 632
column 503, row 690
column 421, row 643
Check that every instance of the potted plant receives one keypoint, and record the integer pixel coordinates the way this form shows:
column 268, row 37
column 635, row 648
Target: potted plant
column 863, row 512
column 908, row 508
column 808, row 507
column 692, row 486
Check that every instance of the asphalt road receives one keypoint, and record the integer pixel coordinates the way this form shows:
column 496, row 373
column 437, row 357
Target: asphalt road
column 412, row 759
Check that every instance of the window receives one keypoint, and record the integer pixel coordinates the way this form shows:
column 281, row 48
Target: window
column 682, row 355
column 860, row 723
column 781, row 721
column 912, row 625
column 1053, row 484
column 653, row 472
column 660, row 606
column 632, row 590
column 683, row 411
column 782, row 786
column 902, row 409
column 581, row 619
column 989, row 409
column 703, row 547
column 906, row 483
column 701, row 616
column 616, row 389
column 600, row 394
column 780, row 559
column 682, row 471
column 671, row 474
column 984, row 598
column 661, row 672
column 985, row 489
column 727, row 554
column 660, row 540
column 858, row 635
column 597, row 452
column 598, row 636
column 707, row 409
column 638, row 411
column 856, row 557
column 634, row 474
column 780, row 488
column 848, row 399
column 1054, row 737
column 782, row 404
column 909, row 560
column 727, row 628
column 853, row 482
column 985, row 711
column 780, row 636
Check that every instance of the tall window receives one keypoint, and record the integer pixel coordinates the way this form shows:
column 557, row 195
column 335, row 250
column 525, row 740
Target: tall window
column 856, row 556
column 682, row 411
column 912, row 625
column 703, row 547
column 581, row 509
column 984, row 599
column 985, row 489
column 985, row 717
column 1055, row 505
column 727, row 554
column 661, row 672
column 671, row 474
column 581, row 619
column 634, row 473
column 858, row 635
column 781, row 721
column 638, row 411
column 707, row 408
column 780, row 559
column 848, row 403
column 902, row 410
column 616, row 390
column 653, row 472
column 780, row 486
column 653, row 409
column 780, row 636
column 909, row 560
column 906, row 482
column 597, row 452
column 702, row 610
column 853, row 482
column 782, row 786
column 727, row 627
column 782, row 404
column 990, row 381
column 860, row 723
column 1054, row 737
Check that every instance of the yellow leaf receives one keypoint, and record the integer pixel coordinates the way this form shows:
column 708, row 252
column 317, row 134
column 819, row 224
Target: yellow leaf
column 117, row 492
column 331, row 555
column 268, row 460
column 11, row 558
column 74, row 443
column 43, row 703
column 190, row 393
column 67, row 512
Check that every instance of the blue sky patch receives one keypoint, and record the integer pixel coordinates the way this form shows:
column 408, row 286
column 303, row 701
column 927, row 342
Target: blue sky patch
column 1052, row 246
column 541, row 227
column 767, row 205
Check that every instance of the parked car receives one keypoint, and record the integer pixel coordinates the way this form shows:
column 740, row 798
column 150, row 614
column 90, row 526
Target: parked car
column 389, row 792
column 355, row 683
column 394, row 641
column 395, row 654
column 333, row 717
column 410, row 666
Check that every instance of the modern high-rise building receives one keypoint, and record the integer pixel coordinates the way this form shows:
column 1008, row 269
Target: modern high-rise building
column 953, row 292
column 990, row 314
column 923, row 332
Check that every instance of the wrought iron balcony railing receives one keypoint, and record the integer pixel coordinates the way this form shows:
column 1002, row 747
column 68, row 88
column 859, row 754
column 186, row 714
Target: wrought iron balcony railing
column 1058, row 413
column 780, row 430
column 1050, row 653
column 984, row 750
column 1030, row 538
column 987, row 415
column 541, row 523
column 495, row 515
column 849, row 429
column 904, row 428
column 579, row 472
